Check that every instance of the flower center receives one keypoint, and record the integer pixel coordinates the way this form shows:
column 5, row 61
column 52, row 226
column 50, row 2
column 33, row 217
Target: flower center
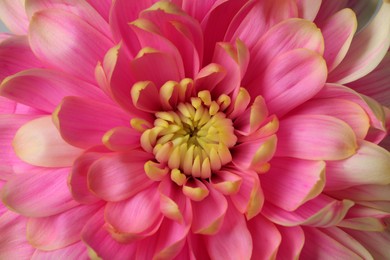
column 195, row 139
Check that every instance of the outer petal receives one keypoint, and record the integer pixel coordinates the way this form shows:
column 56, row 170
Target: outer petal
column 48, row 87
column 370, row 165
column 58, row 231
column 315, row 137
column 233, row 241
column 375, row 242
column 55, row 41
column 265, row 236
column 293, row 240
column 74, row 251
column 308, row 9
column 367, row 49
column 292, row 182
column 83, row 122
column 120, row 176
column 24, row 192
column 39, row 143
column 13, row 15
column 13, row 242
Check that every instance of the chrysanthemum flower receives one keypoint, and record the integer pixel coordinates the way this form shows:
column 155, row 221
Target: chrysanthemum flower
column 193, row 130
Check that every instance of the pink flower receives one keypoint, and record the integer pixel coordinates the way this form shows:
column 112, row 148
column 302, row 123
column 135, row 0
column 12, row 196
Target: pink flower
column 193, row 130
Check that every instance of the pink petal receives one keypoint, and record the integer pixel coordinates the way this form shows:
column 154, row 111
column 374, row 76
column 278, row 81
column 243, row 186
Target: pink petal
column 209, row 213
column 375, row 242
column 49, row 87
column 74, row 251
column 350, row 112
column 82, row 9
column 376, row 83
column 308, row 9
column 119, row 176
column 146, row 96
column 331, row 241
column 136, row 217
column 233, row 241
column 13, row 15
column 196, row 9
column 265, row 236
column 370, row 165
column 103, row 7
column 7, row 106
column 328, row 8
column 256, row 17
column 24, row 192
column 291, row 79
column 315, row 137
column 286, row 36
column 58, row 231
column 54, row 40
column 83, row 122
column 341, row 26
column 292, row 182
column 367, row 49
column 368, row 192
column 293, row 240
column 321, row 211
column 16, row 55
column 13, row 242
column 39, row 143
column 100, row 242
column 122, row 139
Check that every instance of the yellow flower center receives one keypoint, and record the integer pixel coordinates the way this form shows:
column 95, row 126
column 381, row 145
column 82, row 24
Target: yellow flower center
column 194, row 140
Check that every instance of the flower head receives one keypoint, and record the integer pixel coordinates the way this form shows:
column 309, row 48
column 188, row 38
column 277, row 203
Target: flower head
column 194, row 130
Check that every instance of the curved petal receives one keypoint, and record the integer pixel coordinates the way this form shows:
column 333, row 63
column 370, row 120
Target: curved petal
column 39, row 143
column 14, row 16
column 58, row 231
column 48, row 87
column 367, row 49
column 315, row 137
column 83, row 122
column 24, row 192
column 341, row 26
column 370, row 165
column 308, row 9
column 265, row 236
column 119, row 176
column 54, row 41
column 233, row 241
column 292, row 182
column 135, row 218
column 291, row 79
column 13, row 242
column 293, row 240
column 75, row 251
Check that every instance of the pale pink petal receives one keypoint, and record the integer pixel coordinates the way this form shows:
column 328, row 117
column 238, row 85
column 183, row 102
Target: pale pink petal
column 293, row 240
column 328, row 8
column 39, row 143
column 48, row 87
column 350, row 112
column 367, row 49
column 74, row 251
column 375, row 242
column 24, row 193
column 103, row 7
column 135, row 218
column 119, row 176
column 250, row 23
column 233, row 241
column 13, row 242
column 291, row 79
column 376, row 83
column 7, row 106
column 16, row 55
column 14, row 16
column 308, row 9
column 292, row 182
column 341, row 26
column 315, row 137
column 370, row 165
column 265, row 237
column 321, row 211
column 83, row 9
column 368, row 192
column 101, row 244
column 54, row 41
column 209, row 213
column 83, row 122
column 319, row 245
column 58, row 231
column 283, row 37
